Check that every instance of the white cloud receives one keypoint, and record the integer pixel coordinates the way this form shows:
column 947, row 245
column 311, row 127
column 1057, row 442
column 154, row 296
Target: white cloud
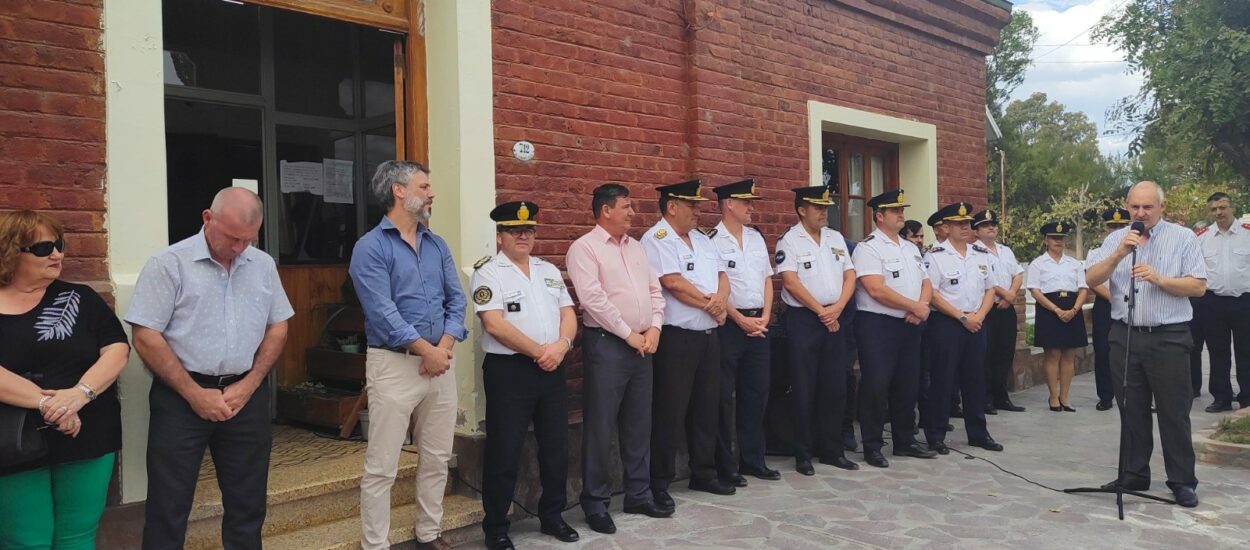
column 1073, row 74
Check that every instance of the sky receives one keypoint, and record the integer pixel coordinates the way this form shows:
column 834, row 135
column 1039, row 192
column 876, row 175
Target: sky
column 1072, row 70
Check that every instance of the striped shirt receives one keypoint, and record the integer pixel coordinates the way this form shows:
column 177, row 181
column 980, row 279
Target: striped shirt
column 1173, row 251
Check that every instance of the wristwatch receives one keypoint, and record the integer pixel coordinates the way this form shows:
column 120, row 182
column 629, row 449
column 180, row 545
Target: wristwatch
column 86, row 390
column 963, row 318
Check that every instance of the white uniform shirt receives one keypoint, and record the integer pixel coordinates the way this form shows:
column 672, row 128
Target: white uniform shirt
column 1173, row 251
column 820, row 266
column 667, row 254
column 747, row 266
column 1047, row 275
column 531, row 304
column 1227, row 255
column 899, row 263
column 1004, row 268
column 961, row 280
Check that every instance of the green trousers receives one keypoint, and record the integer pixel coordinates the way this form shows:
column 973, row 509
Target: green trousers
column 57, row 507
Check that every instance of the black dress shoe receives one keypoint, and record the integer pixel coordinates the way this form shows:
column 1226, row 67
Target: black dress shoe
column 1056, row 408
column 663, row 499
column 804, row 466
column 915, row 451
column 950, row 427
column 765, row 473
column 735, row 480
column 499, row 542
column 939, row 447
column 875, row 458
column 562, row 531
column 1103, row 406
column 988, row 444
column 839, row 462
column 1185, row 496
column 601, row 523
column 1219, row 406
column 989, row 409
column 1134, row 485
column 713, row 486
column 649, row 509
column 1068, row 408
column 1009, row 406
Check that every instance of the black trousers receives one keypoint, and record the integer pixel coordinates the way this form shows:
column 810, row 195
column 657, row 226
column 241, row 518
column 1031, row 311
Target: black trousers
column 1157, row 366
column 616, row 388
column 686, row 403
column 889, row 366
column 1102, row 350
column 958, row 362
column 818, row 384
column 1000, row 352
column 1199, row 306
column 1226, row 326
column 177, row 438
column 744, row 377
column 517, row 390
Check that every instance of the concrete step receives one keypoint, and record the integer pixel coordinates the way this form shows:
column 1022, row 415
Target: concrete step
column 461, row 518
column 314, row 493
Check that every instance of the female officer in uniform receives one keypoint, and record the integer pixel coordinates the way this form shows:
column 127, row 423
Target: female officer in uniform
column 1057, row 282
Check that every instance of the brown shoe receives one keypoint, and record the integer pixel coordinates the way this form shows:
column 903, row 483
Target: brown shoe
column 436, row 544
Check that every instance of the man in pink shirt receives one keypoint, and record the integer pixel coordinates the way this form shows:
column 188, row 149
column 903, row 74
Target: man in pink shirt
column 623, row 312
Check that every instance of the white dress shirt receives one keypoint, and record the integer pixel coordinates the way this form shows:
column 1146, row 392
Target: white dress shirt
column 1227, row 255
column 1172, row 251
column 747, row 265
column 531, row 304
column 1048, row 275
column 1004, row 268
column 961, row 280
column 899, row 262
column 698, row 263
column 820, row 266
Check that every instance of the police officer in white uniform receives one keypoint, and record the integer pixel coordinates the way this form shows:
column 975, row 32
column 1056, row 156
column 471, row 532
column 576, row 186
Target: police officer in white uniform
column 818, row 280
column 960, row 272
column 1000, row 326
column 893, row 301
column 1225, row 314
column 744, row 342
column 687, row 362
column 529, row 323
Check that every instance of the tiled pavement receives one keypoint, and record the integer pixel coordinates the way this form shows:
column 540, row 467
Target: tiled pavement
column 951, row 502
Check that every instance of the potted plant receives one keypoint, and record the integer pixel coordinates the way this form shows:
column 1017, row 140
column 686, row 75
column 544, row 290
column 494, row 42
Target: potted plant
column 349, row 344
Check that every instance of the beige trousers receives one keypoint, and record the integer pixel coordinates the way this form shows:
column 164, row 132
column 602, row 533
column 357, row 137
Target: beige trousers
column 398, row 397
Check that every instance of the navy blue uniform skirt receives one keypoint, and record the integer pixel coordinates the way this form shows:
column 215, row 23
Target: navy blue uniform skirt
column 1052, row 333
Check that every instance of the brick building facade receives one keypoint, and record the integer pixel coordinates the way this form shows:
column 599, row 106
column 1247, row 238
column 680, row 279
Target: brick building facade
column 52, row 123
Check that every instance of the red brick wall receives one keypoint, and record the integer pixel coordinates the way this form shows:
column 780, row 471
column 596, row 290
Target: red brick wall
column 52, row 122
column 649, row 93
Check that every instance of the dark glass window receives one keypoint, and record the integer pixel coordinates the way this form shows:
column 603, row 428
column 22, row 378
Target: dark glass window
column 207, row 147
column 313, row 65
column 211, row 44
column 316, row 227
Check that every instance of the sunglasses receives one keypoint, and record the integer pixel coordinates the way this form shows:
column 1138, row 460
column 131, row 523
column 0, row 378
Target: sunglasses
column 43, row 249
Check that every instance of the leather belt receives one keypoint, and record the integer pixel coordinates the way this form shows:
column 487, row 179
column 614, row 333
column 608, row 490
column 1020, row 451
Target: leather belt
column 1158, row 328
column 215, row 381
column 404, row 351
column 752, row 312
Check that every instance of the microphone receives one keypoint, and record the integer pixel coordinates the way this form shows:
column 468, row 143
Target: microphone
column 1140, row 228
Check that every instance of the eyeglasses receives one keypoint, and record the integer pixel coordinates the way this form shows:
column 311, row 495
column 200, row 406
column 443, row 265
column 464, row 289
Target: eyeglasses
column 520, row 231
column 43, row 249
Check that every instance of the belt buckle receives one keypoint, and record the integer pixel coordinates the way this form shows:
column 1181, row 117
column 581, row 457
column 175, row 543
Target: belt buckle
column 221, row 380
column 1063, row 294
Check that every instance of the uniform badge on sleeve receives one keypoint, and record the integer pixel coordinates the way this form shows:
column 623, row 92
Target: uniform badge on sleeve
column 661, row 233
column 482, row 295
column 780, row 256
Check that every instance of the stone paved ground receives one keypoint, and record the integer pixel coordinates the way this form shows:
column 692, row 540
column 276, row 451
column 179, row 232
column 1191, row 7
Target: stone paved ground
column 951, row 502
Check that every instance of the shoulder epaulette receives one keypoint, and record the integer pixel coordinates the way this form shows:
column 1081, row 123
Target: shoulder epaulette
column 481, row 262
column 661, row 233
column 980, row 248
column 870, row 237
column 937, row 249
column 710, row 232
column 1202, row 230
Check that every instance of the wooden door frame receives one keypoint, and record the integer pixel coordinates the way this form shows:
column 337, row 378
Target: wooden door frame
column 845, row 146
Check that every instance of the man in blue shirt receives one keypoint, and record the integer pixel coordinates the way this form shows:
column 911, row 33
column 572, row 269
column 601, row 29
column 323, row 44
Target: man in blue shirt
column 414, row 313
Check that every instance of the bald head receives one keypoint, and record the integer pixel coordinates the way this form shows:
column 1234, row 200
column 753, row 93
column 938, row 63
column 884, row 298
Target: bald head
column 1145, row 202
column 239, row 204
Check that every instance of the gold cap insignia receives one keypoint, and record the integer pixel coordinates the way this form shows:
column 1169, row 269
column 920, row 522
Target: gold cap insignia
column 825, row 196
column 1116, row 216
column 963, row 210
column 900, row 197
column 1059, row 228
column 523, row 213
column 752, row 188
column 989, row 215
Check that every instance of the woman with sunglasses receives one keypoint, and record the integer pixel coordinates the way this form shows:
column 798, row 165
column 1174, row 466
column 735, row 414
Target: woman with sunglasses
column 61, row 349
column 1057, row 282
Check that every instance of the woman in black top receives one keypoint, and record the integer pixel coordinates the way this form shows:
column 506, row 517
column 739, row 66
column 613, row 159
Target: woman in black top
column 61, row 349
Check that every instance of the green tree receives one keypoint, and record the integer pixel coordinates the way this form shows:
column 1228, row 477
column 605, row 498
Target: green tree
column 1005, row 68
column 1194, row 56
column 1049, row 150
